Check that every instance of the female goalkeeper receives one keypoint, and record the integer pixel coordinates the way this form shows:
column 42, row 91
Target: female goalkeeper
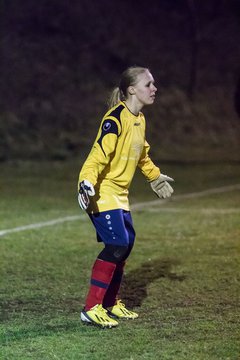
column 104, row 180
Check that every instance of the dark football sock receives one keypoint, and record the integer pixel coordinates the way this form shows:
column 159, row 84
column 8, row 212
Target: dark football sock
column 110, row 297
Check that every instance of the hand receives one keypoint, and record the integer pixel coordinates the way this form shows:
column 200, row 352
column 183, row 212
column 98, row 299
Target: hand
column 161, row 186
column 86, row 189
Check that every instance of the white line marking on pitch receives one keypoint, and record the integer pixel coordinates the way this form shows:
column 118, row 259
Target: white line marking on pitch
column 223, row 189
column 134, row 207
column 203, row 211
column 42, row 224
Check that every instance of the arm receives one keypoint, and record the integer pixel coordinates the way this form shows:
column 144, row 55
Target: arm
column 99, row 157
column 159, row 182
column 147, row 167
column 102, row 150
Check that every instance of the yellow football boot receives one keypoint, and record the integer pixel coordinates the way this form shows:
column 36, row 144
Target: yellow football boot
column 97, row 315
column 119, row 311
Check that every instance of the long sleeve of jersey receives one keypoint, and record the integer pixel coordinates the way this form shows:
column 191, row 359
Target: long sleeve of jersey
column 102, row 150
column 148, row 168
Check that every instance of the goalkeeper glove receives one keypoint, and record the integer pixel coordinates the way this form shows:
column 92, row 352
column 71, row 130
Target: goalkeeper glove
column 86, row 189
column 161, row 186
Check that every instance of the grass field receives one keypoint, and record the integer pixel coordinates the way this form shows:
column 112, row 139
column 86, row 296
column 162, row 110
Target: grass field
column 182, row 276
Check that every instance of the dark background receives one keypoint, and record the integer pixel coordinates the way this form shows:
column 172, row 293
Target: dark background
column 60, row 60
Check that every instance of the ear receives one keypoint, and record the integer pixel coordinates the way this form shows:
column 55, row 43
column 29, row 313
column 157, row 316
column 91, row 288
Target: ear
column 131, row 90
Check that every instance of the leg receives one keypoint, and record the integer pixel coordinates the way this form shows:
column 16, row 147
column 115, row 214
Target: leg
column 110, row 298
column 111, row 230
column 116, row 254
column 115, row 229
column 102, row 273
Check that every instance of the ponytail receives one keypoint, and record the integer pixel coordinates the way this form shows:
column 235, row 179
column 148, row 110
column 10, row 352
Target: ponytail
column 115, row 97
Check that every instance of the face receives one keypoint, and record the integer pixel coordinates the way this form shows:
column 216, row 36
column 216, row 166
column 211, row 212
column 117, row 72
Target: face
column 144, row 90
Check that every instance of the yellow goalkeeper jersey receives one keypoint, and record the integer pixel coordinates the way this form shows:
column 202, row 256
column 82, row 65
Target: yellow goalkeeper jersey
column 120, row 147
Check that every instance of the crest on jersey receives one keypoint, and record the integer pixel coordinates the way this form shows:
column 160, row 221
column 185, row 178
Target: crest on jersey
column 106, row 126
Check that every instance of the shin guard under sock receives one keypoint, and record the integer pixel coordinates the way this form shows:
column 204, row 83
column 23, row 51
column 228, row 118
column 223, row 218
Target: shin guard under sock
column 102, row 273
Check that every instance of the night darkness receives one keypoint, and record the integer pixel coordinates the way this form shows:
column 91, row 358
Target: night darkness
column 59, row 62
column 60, row 59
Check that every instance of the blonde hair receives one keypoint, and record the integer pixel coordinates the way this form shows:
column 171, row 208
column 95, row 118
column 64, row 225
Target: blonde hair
column 129, row 77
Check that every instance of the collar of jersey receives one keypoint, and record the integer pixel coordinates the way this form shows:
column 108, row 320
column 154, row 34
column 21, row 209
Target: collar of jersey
column 122, row 102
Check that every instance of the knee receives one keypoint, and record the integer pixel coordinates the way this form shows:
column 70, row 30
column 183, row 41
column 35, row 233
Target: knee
column 114, row 253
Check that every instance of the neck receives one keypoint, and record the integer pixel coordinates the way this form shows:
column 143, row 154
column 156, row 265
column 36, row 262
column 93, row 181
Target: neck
column 133, row 107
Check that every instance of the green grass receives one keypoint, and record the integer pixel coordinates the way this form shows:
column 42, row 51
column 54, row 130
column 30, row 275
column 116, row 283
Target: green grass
column 182, row 276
